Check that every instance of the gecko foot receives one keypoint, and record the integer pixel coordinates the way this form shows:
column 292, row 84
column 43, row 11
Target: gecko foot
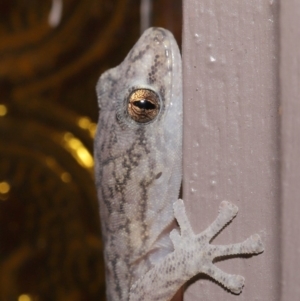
column 199, row 253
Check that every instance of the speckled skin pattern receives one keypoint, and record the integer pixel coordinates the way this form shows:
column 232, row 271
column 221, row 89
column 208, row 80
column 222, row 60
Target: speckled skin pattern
column 138, row 176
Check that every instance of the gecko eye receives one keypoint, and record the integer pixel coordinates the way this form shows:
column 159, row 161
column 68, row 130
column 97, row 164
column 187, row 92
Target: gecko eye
column 143, row 105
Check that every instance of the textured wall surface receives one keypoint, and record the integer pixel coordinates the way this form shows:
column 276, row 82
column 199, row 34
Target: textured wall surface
column 231, row 135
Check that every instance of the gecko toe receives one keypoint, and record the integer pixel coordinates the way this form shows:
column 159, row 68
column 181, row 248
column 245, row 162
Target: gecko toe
column 257, row 243
column 236, row 283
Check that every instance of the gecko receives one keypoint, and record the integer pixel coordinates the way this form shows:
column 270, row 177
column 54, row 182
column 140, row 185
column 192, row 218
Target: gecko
column 150, row 249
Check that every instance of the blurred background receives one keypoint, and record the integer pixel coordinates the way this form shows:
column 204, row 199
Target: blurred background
column 52, row 53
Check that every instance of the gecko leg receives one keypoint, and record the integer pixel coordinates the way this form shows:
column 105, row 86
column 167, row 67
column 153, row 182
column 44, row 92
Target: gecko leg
column 197, row 245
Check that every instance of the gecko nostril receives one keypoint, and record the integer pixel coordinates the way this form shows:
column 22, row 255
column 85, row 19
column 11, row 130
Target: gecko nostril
column 158, row 175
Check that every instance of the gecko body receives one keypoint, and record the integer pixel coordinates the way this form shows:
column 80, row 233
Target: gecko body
column 138, row 155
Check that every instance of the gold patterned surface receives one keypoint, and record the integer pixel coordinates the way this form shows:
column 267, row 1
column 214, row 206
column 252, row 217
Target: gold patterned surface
column 50, row 241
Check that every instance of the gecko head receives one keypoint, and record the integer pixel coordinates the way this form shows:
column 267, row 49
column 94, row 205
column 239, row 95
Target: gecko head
column 150, row 66
column 143, row 87
column 141, row 108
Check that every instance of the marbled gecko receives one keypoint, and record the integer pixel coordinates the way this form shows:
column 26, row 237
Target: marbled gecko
column 138, row 154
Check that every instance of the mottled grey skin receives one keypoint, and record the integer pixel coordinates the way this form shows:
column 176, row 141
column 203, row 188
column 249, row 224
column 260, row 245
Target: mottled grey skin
column 138, row 175
column 138, row 166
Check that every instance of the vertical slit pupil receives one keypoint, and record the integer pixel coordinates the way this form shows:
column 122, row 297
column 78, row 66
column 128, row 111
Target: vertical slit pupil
column 144, row 104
